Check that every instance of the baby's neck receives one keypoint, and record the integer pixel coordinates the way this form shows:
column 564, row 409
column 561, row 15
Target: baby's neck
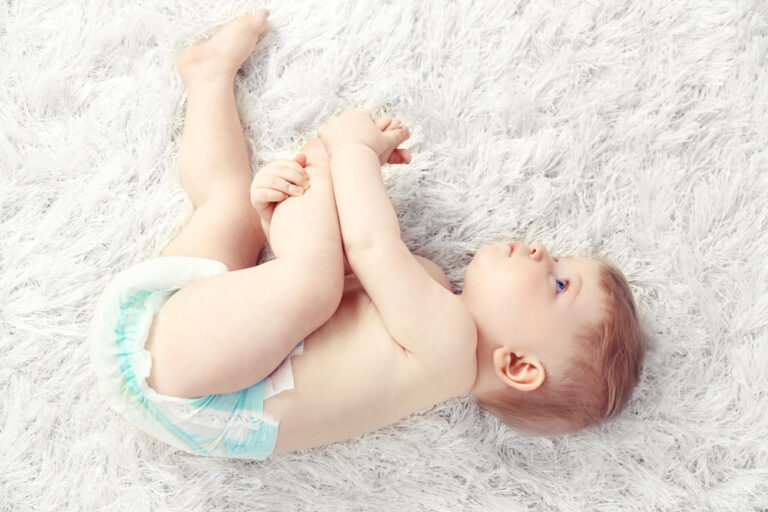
column 485, row 379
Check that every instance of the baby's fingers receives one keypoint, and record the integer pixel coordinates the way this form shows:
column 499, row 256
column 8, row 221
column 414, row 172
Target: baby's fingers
column 396, row 136
column 383, row 122
column 400, row 156
column 286, row 183
column 296, row 165
column 261, row 197
column 301, row 159
column 293, row 173
column 277, row 190
column 288, row 171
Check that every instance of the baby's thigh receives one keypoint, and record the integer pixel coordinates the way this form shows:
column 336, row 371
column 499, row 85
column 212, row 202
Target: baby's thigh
column 226, row 332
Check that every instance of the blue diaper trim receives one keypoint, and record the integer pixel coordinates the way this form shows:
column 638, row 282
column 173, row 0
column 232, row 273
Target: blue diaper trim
column 261, row 437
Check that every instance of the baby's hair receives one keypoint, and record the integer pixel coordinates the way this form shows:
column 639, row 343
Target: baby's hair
column 600, row 379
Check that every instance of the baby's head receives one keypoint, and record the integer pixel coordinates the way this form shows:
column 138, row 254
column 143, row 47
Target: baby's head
column 559, row 343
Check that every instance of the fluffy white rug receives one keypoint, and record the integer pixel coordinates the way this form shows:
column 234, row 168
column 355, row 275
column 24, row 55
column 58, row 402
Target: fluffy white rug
column 636, row 129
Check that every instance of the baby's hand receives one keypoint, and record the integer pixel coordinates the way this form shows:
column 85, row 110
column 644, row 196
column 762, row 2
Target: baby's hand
column 276, row 182
column 358, row 127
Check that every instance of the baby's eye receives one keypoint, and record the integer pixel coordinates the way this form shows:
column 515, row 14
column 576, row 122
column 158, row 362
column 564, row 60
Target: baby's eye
column 561, row 285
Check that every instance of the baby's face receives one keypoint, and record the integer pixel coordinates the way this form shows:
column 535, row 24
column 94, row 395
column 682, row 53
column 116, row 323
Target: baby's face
column 523, row 298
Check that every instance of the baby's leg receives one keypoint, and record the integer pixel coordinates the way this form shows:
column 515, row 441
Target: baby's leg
column 229, row 331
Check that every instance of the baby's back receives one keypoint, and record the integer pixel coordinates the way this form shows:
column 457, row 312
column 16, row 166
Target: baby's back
column 353, row 377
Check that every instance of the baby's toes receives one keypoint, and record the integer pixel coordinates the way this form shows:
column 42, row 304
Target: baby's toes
column 383, row 123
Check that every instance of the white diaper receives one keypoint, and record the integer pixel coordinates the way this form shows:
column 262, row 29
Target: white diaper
column 228, row 425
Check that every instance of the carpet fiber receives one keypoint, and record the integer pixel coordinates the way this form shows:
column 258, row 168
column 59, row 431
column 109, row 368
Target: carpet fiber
column 631, row 129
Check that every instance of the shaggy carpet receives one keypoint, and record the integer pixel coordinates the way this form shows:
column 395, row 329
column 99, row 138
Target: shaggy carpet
column 632, row 129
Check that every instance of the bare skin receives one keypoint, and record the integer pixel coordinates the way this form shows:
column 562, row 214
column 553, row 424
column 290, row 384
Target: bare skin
column 229, row 331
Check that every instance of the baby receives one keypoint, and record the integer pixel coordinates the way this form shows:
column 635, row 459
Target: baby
column 345, row 330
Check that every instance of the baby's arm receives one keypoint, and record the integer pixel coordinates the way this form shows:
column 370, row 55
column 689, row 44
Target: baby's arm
column 427, row 320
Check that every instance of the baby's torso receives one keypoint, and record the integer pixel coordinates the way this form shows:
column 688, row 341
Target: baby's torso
column 352, row 378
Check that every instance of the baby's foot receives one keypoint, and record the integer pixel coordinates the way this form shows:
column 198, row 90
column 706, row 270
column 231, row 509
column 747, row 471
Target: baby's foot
column 395, row 134
column 224, row 53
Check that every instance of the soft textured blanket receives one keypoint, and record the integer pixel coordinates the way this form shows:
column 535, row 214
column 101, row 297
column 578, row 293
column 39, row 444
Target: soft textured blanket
column 634, row 129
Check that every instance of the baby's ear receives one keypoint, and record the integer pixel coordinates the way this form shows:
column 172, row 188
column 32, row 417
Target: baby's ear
column 522, row 372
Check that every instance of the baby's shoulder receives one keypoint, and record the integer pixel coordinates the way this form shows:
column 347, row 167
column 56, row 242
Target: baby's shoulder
column 422, row 316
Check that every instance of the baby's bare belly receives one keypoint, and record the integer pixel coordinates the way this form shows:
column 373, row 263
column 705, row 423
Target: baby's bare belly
column 352, row 378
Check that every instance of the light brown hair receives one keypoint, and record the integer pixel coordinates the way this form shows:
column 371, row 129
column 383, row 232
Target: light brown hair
column 600, row 379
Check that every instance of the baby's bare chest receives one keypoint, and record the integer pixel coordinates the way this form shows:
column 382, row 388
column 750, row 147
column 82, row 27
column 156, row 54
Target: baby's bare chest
column 351, row 379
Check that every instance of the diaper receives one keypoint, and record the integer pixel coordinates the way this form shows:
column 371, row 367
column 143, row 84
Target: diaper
column 226, row 425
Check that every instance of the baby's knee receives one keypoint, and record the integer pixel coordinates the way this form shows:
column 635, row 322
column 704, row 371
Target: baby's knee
column 315, row 151
column 322, row 285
